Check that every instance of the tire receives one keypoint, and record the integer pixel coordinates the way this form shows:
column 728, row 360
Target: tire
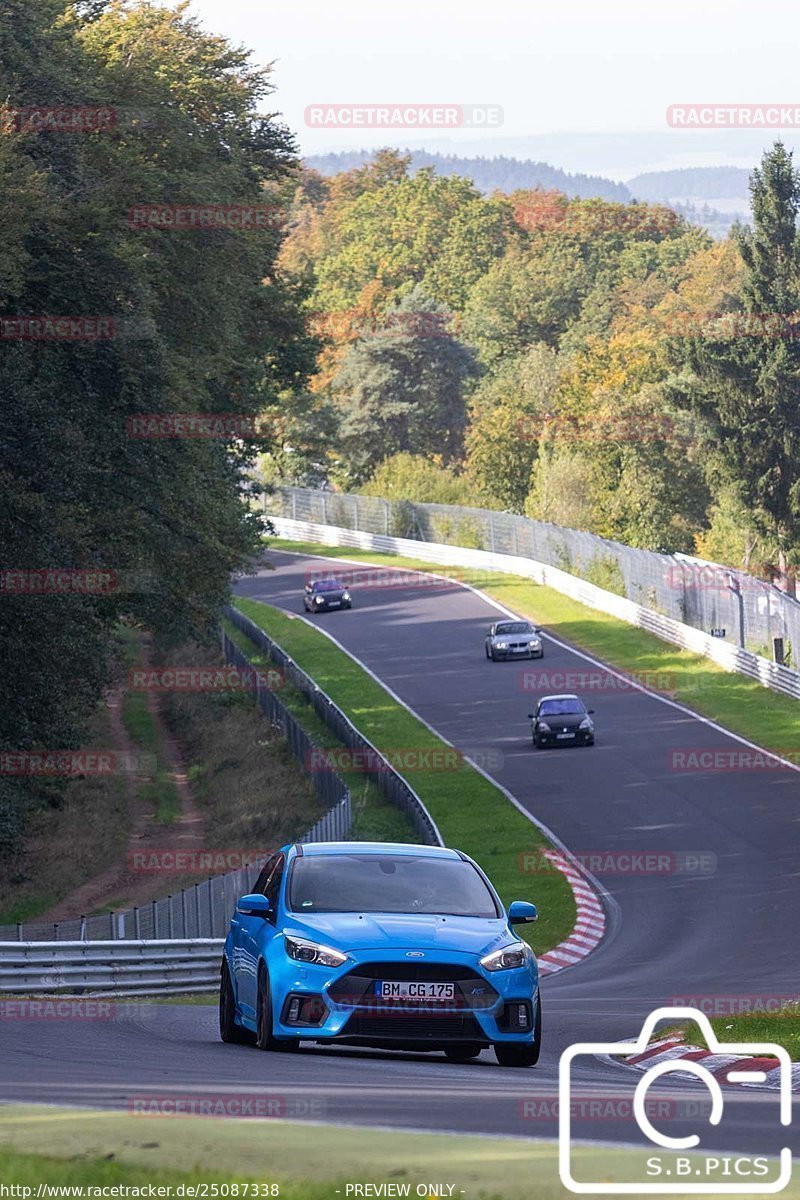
column 229, row 1031
column 486, row 649
column 492, row 655
column 265, row 1038
column 463, row 1053
column 526, row 1055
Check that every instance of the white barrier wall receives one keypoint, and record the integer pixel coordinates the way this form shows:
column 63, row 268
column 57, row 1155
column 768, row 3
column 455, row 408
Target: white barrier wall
column 743, row 662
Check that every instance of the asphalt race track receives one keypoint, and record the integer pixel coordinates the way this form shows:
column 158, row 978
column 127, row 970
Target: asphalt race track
column 730, row 931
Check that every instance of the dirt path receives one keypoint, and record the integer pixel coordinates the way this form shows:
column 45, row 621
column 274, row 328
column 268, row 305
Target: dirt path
column 121, row 882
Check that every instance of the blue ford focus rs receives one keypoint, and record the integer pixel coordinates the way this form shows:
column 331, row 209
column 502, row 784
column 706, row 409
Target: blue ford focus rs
column 380, row 944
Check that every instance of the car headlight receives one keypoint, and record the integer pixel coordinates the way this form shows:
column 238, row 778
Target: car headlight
column 313, row 952
column 319, row 599
column 544, row 726
column 345, row 595
column 501, row 645
column 505, row 959
column 585, row 724
column 535, row 643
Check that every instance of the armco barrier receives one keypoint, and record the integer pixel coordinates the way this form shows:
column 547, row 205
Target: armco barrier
column 377, row 766
column 728, row 656
column 124, row 968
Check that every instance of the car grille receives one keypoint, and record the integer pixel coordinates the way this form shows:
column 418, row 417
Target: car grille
column 435, row 972
column 415, row 1028
column 356, row 988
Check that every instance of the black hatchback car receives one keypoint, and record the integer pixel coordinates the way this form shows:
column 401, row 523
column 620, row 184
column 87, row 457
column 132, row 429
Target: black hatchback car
column 322, row 594
column 561, row 721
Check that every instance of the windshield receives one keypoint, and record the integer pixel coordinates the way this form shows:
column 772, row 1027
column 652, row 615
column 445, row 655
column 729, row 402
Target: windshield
column 328, row 585
column 384, row 883
column 561, row 708
column 514, row 627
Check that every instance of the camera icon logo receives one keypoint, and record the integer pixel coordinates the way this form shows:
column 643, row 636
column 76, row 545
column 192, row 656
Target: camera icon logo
column 702, row 1167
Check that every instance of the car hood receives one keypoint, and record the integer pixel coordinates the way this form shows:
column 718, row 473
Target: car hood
column 401, row 931
column 564, row 721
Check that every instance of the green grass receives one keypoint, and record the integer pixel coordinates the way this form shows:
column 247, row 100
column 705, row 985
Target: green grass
column 159, row 794
column 740, row 704
column 308, row 1163
column 471, row 813
column 782, row 1027
column 374, row 818
column 139, row 722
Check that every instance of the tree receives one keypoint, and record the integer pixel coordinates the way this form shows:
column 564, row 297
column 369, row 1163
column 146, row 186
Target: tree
column 196, row 330
column 412, row 477
column 508, row 413
column 741, row 373
column 401, row 387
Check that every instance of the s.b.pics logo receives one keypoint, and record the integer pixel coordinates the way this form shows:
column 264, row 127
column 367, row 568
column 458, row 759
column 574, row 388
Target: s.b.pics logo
column 682, row 1161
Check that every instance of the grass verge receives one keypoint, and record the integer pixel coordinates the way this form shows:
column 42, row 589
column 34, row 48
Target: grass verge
column 471, row 813
column 781, row 1027
column 740, row 704
column 304, row 1162
column 374, row 818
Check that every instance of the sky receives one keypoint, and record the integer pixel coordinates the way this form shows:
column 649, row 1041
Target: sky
column 562, row 67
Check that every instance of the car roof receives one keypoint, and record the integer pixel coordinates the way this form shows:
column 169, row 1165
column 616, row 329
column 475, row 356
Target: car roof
column 561, row 696
column 321, row 849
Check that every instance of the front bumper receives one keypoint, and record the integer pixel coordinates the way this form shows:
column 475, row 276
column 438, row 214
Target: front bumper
column 343, row 1005
column 524, row 652
column 580, row 737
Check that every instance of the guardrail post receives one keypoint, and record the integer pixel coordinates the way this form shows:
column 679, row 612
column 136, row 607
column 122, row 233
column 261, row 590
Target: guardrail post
column 155, row 920
column 19, row 931
column 210, row 910
column 137, row 924
column 197, row 910
column 55, row 931
column 184, row 930
column 82, row 935
column 170, row 917
column 121, row 926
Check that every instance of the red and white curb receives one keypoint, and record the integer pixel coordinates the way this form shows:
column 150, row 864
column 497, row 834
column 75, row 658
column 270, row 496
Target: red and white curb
column 589, row 927
column 673, row 1048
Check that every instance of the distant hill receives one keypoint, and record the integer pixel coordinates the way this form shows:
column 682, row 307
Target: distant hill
column 488, row 174
column 707, row 183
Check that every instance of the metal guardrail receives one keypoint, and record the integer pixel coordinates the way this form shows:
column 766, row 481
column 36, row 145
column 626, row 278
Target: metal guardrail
column 730, row 657
column 374, row 764
column 687, row 590
column 122, row 967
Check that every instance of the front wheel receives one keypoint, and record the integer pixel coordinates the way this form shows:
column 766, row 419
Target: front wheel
column 265, row 1038
column 229, row 1031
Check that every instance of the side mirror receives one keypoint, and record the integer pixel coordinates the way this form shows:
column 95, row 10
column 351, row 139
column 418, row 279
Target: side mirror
column 530, row 716
column 590, row 710
column 253, row 905
column 522, row 913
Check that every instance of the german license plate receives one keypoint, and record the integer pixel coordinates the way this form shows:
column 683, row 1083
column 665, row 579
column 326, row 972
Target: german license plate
column 561, row 736
column 415, row 990
column 334, row 603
